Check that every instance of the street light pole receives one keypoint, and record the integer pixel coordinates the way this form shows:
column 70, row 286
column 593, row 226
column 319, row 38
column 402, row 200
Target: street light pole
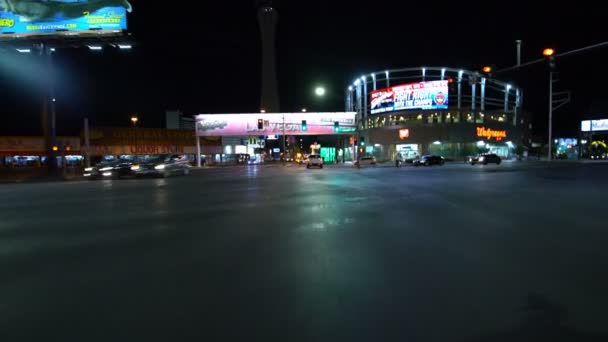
column 284, row 145
column 549, row 153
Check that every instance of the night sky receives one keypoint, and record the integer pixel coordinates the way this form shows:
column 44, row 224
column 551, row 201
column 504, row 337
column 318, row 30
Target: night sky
column 208, row 60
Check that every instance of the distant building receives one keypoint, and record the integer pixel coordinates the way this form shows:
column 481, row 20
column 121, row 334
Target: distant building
column 175, row 120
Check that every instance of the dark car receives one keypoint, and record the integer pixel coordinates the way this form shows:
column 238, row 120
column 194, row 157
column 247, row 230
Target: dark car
column 110, row 169
column 485, row 159
column 163, row 166
column 429, row 160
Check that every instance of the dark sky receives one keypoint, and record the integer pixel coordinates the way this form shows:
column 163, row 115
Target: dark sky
column 207, row 60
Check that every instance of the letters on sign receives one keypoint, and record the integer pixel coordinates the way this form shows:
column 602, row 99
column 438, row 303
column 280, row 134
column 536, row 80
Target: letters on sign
column 489, row 134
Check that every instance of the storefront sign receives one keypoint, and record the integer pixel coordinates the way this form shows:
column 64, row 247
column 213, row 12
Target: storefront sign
column 36, row 145
column 594, row 125
column 489, row 134
column 404, row 133
column 422, row 95
column 143, row 136
column 223, row 125
column 156, row 149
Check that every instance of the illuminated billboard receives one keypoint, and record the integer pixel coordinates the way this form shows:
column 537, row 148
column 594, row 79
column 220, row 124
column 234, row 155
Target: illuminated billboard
column 594, row 125
column 272, row 124
column 422, row 95
column 31, row 18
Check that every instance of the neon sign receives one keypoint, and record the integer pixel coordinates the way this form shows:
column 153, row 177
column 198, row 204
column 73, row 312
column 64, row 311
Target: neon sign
column 488, row 133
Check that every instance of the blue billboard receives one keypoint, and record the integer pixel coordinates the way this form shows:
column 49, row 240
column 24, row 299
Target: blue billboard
column 29, row 17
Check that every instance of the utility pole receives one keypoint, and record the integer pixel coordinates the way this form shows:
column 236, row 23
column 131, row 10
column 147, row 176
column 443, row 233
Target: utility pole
column 550, row 152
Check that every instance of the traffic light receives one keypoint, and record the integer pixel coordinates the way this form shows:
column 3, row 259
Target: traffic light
column 260, row 124
column 362, row 141
column 304, row 126
column 550, row 55
column 336, row 126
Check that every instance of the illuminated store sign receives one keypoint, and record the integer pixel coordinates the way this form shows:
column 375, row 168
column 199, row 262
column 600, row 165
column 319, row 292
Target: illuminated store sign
column 404, row 133
column 489, row 134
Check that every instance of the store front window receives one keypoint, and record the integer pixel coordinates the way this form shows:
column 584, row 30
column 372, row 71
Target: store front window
column 408, row 151
column 470, row 118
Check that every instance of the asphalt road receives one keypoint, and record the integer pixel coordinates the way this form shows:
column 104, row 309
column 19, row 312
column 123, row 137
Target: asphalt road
column 515, row 252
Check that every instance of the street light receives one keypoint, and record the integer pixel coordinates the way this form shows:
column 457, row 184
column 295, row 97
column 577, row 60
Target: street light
column 134, row 120
column 320, row 91
column 487, row 69
column 304, row 110
column 549, row 54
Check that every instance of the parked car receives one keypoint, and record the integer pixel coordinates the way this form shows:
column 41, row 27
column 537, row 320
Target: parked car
column 163, row 166
column 314, row 160
column 366, row 160
column 429, row 160
column 485, row 159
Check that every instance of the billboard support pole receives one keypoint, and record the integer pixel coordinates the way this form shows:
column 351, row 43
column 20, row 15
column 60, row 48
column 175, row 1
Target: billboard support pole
column 459, row 90
column 483, row 94
column 198, row 151
column 284, row 145
column 364, row 99
column 473, row 95
column 48, row 108
column 87, row 143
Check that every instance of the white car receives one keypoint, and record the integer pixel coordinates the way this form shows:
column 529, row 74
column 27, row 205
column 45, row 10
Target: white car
column 314, row 160
column 367, row 160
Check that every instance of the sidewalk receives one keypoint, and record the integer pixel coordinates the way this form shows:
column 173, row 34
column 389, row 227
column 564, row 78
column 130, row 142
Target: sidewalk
column 30, row 175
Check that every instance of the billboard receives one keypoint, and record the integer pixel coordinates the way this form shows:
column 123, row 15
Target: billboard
column 594, row 125
column 247, row 124
column 47, row 17
column 422, row 95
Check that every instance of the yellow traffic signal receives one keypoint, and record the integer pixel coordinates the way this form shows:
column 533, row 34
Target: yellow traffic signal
column 548, row 52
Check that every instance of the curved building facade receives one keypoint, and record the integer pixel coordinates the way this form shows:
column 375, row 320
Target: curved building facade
column 431, row 110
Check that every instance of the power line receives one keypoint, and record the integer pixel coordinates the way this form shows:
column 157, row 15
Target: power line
column 563, row 54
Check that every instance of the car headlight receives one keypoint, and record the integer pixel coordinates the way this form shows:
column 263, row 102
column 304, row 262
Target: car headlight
column 135, row 168
column 88, row 169
column 105, row 169
column 482, row 159
column 160, row 167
